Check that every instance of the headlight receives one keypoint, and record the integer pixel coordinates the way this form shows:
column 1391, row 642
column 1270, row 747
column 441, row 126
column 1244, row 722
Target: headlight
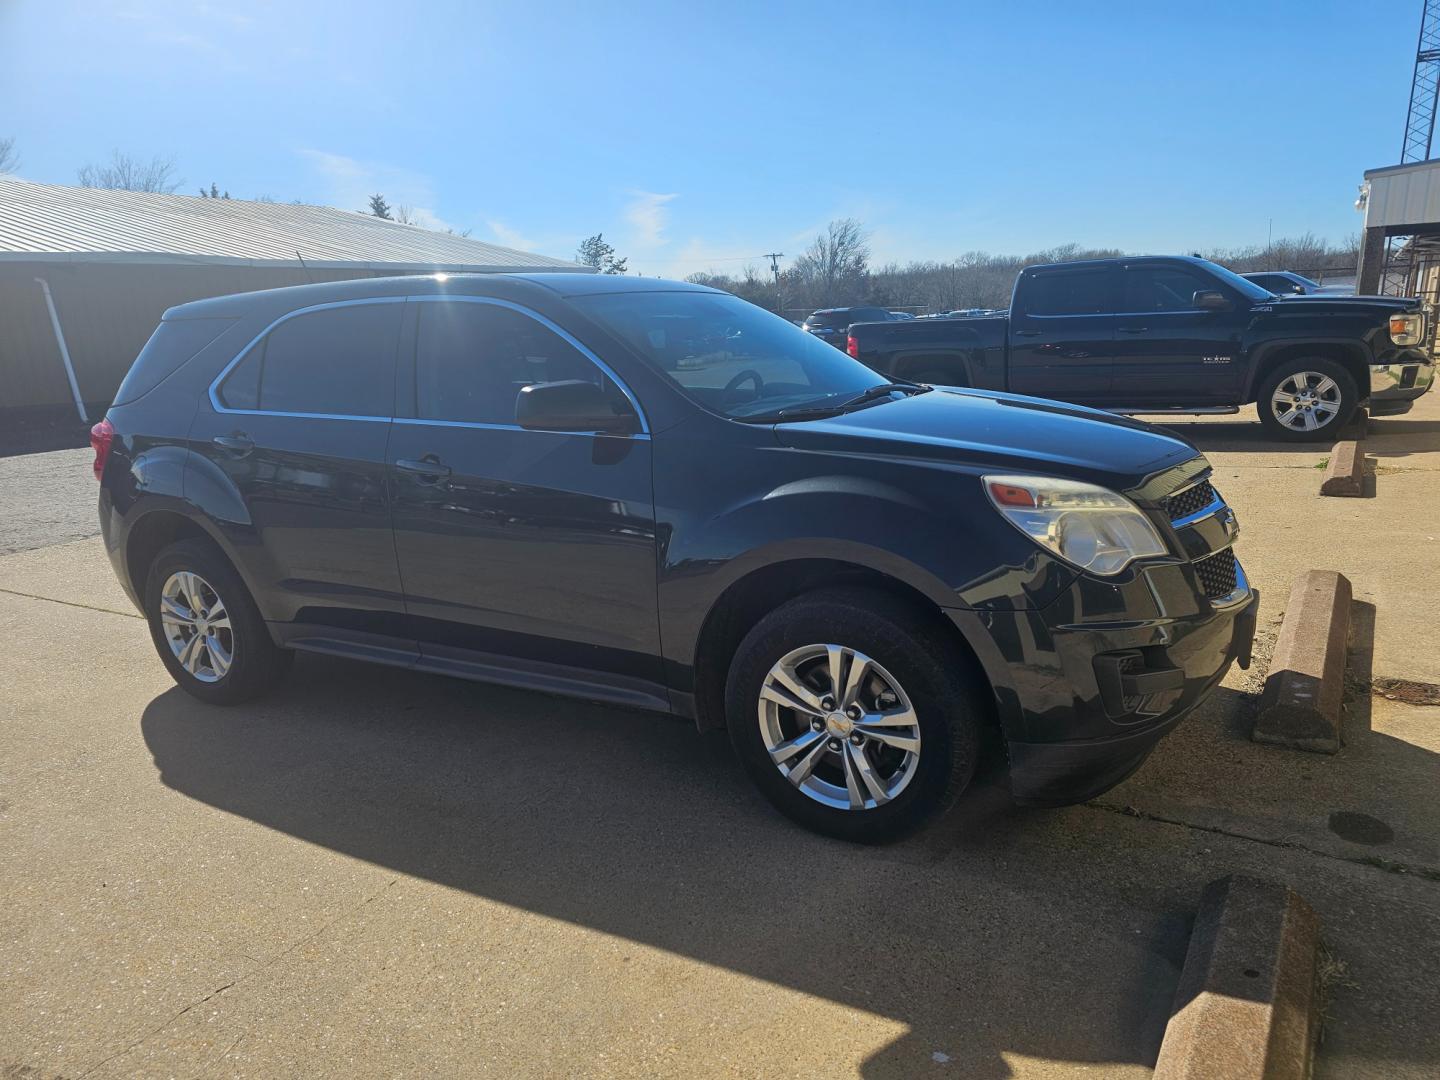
column 1088, row 526
column 1406, row 329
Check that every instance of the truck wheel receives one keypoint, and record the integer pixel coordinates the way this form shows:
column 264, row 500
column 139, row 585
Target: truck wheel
column 852, row 714
column 1306, row 399
column 207, row 629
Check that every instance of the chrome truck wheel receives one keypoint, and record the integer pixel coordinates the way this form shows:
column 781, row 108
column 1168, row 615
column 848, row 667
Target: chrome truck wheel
column 1306, row 401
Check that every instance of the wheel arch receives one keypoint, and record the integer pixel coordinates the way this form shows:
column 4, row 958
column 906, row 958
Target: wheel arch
column 1350, row 355
column 760, row 590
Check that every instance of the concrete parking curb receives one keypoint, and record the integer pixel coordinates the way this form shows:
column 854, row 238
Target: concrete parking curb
column 1248, row 1003
column 1304, row 696
column 1345, row 475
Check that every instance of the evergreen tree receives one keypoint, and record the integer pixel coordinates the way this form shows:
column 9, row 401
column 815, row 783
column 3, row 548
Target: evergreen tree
column 594, row 251
column 379, row 207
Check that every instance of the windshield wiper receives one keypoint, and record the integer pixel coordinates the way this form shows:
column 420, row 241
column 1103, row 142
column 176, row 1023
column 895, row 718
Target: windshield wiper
column 819, row 412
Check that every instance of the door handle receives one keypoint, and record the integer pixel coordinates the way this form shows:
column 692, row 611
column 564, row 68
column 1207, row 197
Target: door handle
column 1027, row 333
column 1133, row 329
column 429, row 468
column 238, row 443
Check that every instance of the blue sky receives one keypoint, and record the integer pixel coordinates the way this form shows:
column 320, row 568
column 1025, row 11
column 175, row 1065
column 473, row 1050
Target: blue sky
column 697, row 135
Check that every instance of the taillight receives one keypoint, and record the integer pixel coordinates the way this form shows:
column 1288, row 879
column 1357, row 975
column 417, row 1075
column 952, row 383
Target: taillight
column 852, row 346
column 101, row 436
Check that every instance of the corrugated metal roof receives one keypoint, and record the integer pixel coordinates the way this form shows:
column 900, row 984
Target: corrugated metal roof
column 53, row 223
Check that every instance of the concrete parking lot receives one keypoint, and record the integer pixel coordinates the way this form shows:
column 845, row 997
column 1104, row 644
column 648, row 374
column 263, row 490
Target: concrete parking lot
column 377, row 873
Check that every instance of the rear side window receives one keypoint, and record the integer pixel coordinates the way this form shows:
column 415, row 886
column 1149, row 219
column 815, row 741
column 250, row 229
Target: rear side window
column 1072, row 292
column 174, row 342
column 472, row 360
column 867, row 314
column 337, row 361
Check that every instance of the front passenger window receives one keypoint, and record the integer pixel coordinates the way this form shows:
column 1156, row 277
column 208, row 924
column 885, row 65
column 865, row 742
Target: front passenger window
column 473, row 359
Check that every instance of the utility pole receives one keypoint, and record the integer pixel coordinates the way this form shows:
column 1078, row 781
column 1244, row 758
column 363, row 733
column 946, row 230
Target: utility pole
column 775, row 257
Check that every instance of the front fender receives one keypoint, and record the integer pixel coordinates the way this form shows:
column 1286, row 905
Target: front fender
column 954, row 560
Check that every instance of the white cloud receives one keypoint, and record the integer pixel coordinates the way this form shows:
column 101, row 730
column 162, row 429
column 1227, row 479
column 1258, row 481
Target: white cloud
column 348, row 184
column 509, row 237
column 648, row 214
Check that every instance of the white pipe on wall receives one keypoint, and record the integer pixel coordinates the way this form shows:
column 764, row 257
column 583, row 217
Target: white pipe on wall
column 64, row 352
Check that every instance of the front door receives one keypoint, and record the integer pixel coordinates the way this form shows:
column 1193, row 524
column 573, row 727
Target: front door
column 298, row 428
column 526, row 555
column 1062, row 334
column 1168, row 352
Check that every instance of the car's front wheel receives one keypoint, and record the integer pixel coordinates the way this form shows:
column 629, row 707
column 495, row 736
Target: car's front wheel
column 206, row 627
column 1306, row 399
column 853, row 714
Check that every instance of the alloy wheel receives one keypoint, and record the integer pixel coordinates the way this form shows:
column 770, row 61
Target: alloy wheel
column 839, row 727
column 197, row 626
column 1306, row 400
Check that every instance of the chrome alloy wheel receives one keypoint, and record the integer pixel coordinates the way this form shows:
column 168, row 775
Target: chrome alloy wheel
column 839, row 727
column 1306, row 400
column 197, row 626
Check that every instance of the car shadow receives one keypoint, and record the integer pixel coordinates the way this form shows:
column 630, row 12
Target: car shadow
column 628, row 823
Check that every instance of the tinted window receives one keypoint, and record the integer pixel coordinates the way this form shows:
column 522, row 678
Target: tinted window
column 1163, row 288
column 339, row 361
column 471, row 360
column 173, row 343
column 729, row 355
column 1072, row 292
column 868, row 314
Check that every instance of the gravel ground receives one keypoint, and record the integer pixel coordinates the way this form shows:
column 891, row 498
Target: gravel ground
column 46, row 499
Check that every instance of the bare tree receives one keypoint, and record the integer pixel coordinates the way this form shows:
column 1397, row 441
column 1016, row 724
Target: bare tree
column 405, row 215
column 834, row 267
column 126, row 173
column 9, row 157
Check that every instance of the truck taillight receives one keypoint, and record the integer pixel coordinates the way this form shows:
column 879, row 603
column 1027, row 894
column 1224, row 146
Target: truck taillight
column 101, row 436
column 852, row 346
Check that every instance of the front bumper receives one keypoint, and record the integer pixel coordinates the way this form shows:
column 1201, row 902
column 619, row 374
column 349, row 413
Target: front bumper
column 1089, row 685
column 1393, row 387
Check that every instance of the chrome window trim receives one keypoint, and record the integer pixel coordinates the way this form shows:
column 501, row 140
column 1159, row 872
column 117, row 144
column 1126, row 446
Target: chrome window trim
column 414, row 421
column 558, row 330
column 214, row 391
column 214, row 388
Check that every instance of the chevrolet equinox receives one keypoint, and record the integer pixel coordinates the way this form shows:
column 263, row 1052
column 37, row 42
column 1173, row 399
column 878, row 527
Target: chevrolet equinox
column 657, row 495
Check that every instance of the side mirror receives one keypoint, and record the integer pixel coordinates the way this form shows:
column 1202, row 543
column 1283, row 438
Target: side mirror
column 572, row 405
column 1209, row 300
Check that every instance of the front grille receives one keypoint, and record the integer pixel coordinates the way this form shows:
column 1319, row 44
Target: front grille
column 1217, row 574
column 1191, row 500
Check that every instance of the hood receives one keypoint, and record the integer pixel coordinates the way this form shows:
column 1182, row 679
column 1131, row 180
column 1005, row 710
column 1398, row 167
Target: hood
column 993, row 431
column 1319, row 302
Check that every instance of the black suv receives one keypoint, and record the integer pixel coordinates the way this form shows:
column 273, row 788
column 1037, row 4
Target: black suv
column 831, row 324
column 658, row 495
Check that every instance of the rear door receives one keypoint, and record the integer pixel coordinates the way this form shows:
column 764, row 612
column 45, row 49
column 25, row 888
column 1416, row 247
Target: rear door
column 298, row 425
column 1062, row 333
column 531, row 553
column 1168, row 352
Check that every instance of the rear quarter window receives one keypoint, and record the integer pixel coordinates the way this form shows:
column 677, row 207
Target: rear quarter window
column 171, row 346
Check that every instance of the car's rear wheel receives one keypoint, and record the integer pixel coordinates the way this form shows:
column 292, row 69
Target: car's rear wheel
column 206, row 628
column 1306, row 399
column 853, row 714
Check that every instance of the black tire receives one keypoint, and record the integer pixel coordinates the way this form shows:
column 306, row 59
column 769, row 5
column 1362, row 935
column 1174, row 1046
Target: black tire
column 256, row 664
column 941, row 682
column 1345, row 396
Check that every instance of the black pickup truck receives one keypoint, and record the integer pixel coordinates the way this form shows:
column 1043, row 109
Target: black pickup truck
column 1172, row 334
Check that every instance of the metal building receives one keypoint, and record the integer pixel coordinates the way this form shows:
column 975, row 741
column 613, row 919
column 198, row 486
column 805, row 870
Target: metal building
column 85, row 274
column 1400, row 246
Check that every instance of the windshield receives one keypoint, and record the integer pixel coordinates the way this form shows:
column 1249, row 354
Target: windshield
column 728, row 355
column 1244, row 286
